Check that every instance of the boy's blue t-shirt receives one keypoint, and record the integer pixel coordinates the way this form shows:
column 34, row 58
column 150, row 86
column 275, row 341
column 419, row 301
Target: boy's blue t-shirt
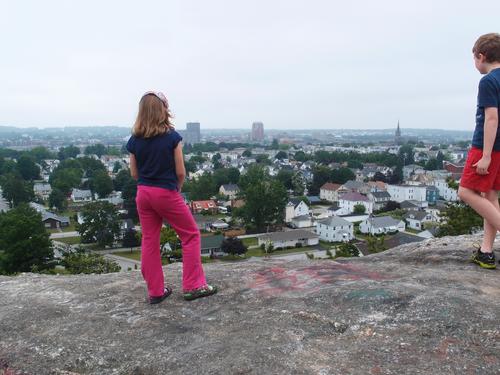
column 155, row 159
column 488, row 96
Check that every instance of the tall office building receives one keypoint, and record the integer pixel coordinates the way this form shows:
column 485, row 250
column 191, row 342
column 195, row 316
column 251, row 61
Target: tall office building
column 192, row 133
column 257, row 131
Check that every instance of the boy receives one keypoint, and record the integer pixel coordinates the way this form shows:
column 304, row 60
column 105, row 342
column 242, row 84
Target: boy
column 480, row 180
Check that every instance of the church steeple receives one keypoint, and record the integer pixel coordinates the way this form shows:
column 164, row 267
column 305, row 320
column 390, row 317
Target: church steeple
column 397, row 138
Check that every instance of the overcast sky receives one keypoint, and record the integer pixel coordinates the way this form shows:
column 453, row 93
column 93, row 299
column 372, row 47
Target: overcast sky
column 226, row 63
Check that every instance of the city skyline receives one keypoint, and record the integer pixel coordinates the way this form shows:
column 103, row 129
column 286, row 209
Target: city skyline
column 287, row 64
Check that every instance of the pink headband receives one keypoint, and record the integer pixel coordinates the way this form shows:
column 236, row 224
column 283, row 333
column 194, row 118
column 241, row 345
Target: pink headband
column 159, row 95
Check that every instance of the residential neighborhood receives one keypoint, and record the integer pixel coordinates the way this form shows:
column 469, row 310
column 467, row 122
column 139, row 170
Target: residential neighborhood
column 325, row 202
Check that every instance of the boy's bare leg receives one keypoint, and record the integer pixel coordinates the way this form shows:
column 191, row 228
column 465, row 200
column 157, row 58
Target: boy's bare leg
column 481, row 205
column 490, row 231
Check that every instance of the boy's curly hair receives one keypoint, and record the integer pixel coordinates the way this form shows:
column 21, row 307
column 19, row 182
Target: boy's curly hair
column 489, row 46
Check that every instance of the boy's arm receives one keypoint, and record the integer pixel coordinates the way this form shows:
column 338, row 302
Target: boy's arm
column 180, row 170
column 490, row 132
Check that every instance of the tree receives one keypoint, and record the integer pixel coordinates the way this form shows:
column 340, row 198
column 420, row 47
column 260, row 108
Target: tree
column 121, row 179
column 57, row 199
column 376, row 244
column 98, row 149
column 298, row 183
column 346, row 250
column 300, row 156
column 247, row 153
column 233, row 246
column 202, row 188
column 101, row 223
column 128, row 194
column 263, row 159
column 281, row 155
column 397, row 175
column 342, row 175
column 68, row 152
column 65, row 179
column 102, row 184
column 24, row 242
column 285, row 177
column 406, row 154
column 91, row 166
column 359, row 209
column 16, row 190
column 130, row 238
column 432, row 165
column 27, row 168
column 79, row 261
column 41, row 153
column 459, row 218
column 168, row 235
column 275, row 145
column 116, row 167
column 391, row 206
column 321, row 175
column 265, row 199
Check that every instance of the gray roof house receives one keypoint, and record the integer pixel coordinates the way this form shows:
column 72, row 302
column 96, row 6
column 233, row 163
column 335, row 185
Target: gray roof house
column 289, row 238
column 381, row 224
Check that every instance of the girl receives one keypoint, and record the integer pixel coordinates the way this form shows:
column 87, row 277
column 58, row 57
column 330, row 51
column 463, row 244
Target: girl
column 157, row 163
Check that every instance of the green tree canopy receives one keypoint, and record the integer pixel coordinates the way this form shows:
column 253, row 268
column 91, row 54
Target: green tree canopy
column 101, row 223
column 233, row 246
column 265, row 199
column 57, row 199
column 27, row 167
column 16, row 190
column 101, row 183
column 98, row 149
column 68, row 152
column 24, row 242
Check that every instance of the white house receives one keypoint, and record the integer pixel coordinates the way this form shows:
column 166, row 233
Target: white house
column 42, row 190
column 78, row 195
column 416, row 219
column 379, row 199
column 381, row 224
column 281, row 240
column 349, row 200
column 400, row 193
column 329, row 192
column 303, row 221
column 294, row 208
column 447, row 193
column 335, row 229
column 230, row 190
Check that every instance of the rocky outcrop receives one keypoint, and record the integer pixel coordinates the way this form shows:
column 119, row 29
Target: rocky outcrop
column 418, row 309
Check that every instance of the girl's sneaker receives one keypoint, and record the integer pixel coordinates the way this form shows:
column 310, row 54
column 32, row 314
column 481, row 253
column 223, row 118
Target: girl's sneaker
column 204, row 291
column 155, row 300
column 485, row 260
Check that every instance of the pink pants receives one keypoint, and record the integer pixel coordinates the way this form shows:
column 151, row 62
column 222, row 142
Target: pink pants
column 153, row 205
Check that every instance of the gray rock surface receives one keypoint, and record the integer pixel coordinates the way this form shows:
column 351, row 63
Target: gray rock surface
column 418, row 309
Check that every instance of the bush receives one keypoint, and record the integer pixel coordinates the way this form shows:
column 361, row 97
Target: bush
column 298, row 244
column 81, row 262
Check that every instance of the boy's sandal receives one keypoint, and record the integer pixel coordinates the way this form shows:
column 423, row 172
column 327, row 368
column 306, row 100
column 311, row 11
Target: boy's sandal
column 204, row 291
column 155, row 300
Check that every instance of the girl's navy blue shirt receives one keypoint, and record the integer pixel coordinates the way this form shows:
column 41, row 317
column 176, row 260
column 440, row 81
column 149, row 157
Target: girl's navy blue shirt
column 155, row 159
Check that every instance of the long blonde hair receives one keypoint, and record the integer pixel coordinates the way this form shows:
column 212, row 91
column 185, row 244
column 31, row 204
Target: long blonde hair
column 154, row 117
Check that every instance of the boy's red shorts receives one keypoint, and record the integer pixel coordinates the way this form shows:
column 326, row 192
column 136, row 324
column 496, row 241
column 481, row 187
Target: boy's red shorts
column 481, row 182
